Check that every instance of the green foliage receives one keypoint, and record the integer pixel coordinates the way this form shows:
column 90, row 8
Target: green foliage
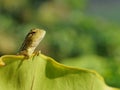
column 43, row 73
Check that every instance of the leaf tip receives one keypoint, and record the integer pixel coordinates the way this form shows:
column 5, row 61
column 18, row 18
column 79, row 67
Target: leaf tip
column 1, row 63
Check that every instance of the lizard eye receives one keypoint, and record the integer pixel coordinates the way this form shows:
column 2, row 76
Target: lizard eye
column 32, row 32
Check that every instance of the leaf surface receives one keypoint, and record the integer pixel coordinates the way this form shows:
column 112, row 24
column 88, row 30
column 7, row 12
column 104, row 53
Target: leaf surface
column 43, row 73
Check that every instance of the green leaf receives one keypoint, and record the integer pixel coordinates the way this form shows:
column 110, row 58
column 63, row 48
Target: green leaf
column 43, row 73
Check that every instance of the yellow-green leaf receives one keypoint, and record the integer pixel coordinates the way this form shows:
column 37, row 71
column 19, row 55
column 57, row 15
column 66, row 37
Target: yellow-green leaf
column 43, row 73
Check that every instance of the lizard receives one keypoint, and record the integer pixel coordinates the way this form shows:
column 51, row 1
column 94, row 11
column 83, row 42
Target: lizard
column 32, row 40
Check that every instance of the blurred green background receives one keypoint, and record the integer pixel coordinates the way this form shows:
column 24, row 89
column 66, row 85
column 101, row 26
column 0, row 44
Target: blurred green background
column 80, row 33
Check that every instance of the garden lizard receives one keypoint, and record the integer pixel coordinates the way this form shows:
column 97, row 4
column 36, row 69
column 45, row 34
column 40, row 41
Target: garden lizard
column 31, row 41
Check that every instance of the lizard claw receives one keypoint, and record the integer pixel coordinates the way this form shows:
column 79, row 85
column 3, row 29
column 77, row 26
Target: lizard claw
column 37, row 52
